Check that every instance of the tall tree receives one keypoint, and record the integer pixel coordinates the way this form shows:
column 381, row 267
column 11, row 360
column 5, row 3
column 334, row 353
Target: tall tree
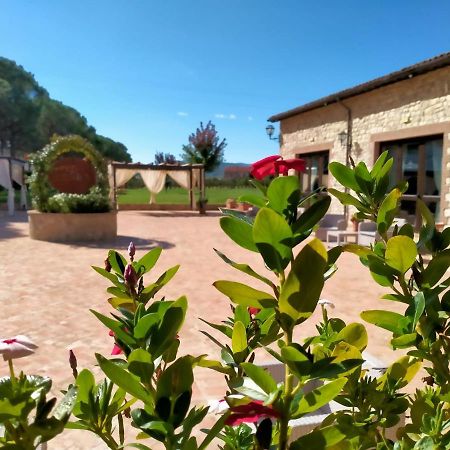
column 29, row 117
column 205, row 147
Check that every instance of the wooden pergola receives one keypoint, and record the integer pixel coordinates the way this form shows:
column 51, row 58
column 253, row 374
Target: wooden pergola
column 195, row 177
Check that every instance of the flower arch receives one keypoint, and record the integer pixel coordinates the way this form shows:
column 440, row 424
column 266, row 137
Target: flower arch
column 44, row 194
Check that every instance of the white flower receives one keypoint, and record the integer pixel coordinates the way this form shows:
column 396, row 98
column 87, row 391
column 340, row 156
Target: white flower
column 326, row 303
column 218, row 406
column 16, row 347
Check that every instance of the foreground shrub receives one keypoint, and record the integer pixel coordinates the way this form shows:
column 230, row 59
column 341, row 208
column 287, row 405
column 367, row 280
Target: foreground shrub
column 150, row 383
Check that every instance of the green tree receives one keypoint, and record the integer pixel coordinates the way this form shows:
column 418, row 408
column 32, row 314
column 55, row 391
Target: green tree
column 205, row 147
column 29, row 117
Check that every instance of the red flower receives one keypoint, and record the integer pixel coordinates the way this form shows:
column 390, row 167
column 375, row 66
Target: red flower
column 116, row 350
column 250, row 413
column 282, row 166
column 264, row 167
column 253, row 311
column 275, row 165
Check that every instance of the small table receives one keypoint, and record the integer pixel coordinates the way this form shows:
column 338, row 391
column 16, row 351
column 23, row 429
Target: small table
column 341, row 235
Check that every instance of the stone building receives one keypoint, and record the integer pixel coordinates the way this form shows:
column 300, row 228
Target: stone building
column 406, row 112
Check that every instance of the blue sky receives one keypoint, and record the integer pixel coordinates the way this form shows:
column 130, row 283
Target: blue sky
column 147, row 72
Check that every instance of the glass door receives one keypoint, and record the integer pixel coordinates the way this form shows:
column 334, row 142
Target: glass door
column 419, row 163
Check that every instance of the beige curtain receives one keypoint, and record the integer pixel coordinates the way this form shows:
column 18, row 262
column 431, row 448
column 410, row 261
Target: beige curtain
column 124, row 175
column 180, row 177
column 5, row 181
column 154, row 180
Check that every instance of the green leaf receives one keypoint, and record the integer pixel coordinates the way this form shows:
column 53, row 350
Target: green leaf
column 245, row 295
column 273, row 238
column 64, row 409
column 239, row 231
column 85, row 383
column 404, row 341
column 388, row 320
column 140, row 364
column 245, row 268
column 260, row 376
column 354, row 334
column 429, row 227
column 387, row 210
column 404, row 370
column 213, row 432
column 124, row 379
column 436, row 268
column 170, row 325
column 149, row 259
column 344, row 352
column 145, row 324
column 418, row 307
column 344, row 175
column 297, row 361
column 401, row 253
column 110, row 276
column 381, row 272
column 319, row 397
column 312, row 215
column 239, row 338
column 117, row 261
column 301, row 290
column 253, row 199
column 347, row 199
column 363, row 178
column 176, row 379
column 319, row 439
column 114, row 326
column 284, row 194
column 379, row 163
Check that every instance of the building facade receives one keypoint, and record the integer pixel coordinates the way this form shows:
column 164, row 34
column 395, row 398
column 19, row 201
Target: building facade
column 406, row 112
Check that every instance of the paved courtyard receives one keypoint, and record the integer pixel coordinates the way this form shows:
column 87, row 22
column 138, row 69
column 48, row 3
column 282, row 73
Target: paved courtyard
column 46, row 290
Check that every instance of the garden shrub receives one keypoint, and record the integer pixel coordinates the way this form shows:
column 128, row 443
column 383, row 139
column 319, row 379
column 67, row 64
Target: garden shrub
column 93, row 202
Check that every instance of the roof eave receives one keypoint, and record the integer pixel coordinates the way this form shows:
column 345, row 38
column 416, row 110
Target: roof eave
column 421, row 68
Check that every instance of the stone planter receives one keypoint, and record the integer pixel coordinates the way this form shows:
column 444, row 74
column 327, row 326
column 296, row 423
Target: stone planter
column 56, row 227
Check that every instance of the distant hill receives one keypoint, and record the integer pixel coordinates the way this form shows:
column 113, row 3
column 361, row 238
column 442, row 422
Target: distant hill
column 219, row 172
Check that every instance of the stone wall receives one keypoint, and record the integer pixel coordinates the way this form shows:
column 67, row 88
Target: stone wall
column 419, row 106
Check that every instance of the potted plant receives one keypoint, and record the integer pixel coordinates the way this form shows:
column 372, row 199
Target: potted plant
column 201, row 205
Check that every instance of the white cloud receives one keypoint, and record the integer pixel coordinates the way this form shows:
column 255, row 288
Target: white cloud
column 225, row 116
column 182, row 114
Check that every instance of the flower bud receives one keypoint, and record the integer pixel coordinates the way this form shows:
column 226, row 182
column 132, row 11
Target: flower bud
column 130, row 276
column 107, row 265
column 131, row 250
column 73, row 363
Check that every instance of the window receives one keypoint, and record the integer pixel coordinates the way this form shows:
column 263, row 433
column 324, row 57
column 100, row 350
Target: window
column 419, row 162
column 316, row 173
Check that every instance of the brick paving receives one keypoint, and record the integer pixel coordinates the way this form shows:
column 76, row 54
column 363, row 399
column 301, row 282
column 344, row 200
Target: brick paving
column 47, row 288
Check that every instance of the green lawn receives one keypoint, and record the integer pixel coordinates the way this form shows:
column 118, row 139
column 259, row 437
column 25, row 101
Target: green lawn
column 215, row 195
